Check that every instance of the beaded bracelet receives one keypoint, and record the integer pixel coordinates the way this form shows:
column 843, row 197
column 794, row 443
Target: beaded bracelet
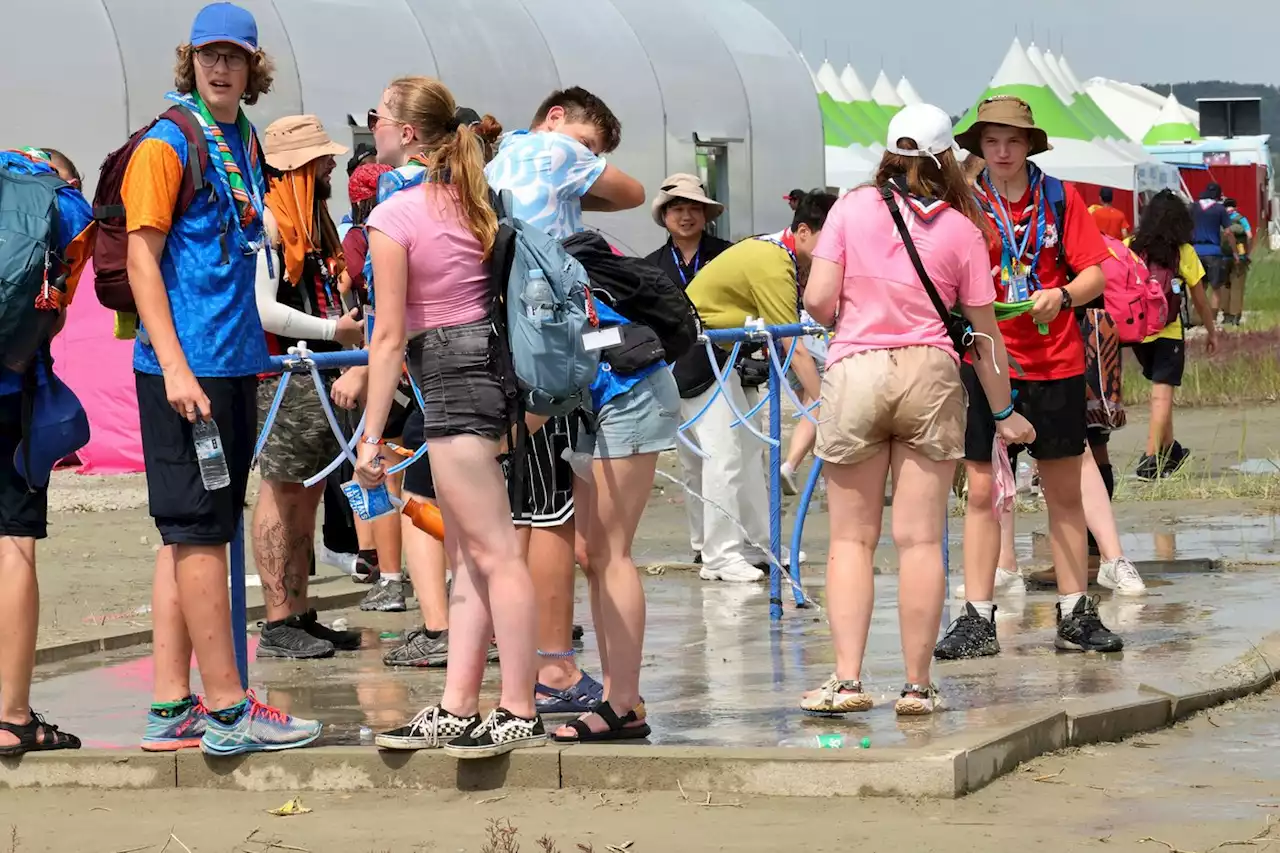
column 1003, row 414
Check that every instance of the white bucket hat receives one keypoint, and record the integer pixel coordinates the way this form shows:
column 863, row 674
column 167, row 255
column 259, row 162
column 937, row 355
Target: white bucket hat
column 683, row 187
column 927, row 126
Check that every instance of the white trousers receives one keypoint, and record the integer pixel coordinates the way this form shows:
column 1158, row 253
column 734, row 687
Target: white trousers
column 733, row 477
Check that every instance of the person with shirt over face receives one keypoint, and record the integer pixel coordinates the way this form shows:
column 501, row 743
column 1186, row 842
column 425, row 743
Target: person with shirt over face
column 894, row 391
column 200, row 348
column 1044, row 247
column 24, row 500
column 555, row 171
column 298, row 299
column 758, row 277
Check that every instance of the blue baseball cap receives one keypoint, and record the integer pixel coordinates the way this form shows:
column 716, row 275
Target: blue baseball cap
column 225, row 23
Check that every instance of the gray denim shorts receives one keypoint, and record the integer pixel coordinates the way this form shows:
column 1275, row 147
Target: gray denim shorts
column 460, row 370
column 643, row 420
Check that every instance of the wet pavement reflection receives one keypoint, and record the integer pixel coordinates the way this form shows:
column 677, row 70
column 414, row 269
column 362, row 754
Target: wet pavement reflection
column 717, row 673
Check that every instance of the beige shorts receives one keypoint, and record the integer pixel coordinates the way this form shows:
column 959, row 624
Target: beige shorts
column 913, row 396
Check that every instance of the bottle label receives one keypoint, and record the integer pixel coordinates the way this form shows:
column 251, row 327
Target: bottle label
column 208, row 448
column 368, row 504
column 830, row 741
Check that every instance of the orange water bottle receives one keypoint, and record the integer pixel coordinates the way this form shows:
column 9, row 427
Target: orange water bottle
column 425, row 516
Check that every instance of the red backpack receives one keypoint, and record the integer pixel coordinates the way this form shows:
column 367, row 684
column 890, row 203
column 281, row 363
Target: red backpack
column 1135, row 297
column 111, row 253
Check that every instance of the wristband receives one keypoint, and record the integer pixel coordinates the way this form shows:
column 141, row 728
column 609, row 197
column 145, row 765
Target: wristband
column 369, row 439
column 1003, row 414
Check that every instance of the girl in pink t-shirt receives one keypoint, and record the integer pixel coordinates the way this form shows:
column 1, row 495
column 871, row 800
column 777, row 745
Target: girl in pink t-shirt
column 892, row 396
column 430, row 246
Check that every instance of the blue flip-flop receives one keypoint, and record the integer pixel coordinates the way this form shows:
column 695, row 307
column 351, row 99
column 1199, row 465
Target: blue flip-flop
column 582, row 697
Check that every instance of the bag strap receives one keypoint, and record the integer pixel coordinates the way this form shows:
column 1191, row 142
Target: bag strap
column 886, row 193
column 30, row 385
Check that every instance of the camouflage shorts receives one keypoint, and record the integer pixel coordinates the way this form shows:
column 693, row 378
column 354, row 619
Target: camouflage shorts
column 301, row 443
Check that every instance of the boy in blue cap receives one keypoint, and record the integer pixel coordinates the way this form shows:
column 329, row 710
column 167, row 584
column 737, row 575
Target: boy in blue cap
column 24, row 500
column 200, row 347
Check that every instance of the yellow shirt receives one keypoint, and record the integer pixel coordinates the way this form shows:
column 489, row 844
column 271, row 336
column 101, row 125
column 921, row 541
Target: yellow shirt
column 1191, row 271
column 754, row 278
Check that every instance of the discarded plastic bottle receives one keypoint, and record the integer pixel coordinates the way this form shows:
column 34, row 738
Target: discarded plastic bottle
column 828, row 741
column 213, row 462
column 425, row 516
column 538, row 298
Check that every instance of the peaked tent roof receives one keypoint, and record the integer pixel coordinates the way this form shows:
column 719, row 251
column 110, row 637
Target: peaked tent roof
column 861, row 96
column 1171, row 125
column 1077, row 155
column 1084, row 103
column 908, row 93
column 884, row 94
column 866, row 128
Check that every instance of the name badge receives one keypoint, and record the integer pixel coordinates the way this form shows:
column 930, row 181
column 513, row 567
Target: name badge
column 1019, row 286
column 602, row 338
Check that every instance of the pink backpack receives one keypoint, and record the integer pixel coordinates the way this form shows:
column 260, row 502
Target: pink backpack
column 1134, row 297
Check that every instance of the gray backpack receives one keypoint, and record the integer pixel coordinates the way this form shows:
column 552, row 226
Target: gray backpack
column 28, row 252
column 553, row 368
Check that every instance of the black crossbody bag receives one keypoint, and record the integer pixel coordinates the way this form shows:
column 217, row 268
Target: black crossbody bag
column 957, row 327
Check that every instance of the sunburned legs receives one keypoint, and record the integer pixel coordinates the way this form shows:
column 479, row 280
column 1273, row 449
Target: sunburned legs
column 492, row 591
column 171, row 641
column 201, row 573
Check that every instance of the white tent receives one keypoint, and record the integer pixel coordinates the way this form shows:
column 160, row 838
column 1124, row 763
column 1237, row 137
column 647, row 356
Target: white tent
column 886, row 95
column 1133, row 108
column 850, row 163
column 908, row 93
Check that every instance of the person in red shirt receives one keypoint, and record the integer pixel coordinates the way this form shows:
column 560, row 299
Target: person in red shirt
column 1110, row 220
column 1044, row 248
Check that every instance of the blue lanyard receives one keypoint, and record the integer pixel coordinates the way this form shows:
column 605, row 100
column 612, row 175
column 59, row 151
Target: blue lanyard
column 1006, row 225
column 675, row 256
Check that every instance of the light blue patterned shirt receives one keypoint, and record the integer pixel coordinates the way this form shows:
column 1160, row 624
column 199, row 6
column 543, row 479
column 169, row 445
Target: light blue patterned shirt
column 547, row 174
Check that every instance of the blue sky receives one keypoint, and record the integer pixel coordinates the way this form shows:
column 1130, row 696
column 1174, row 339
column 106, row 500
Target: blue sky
column 949, row 49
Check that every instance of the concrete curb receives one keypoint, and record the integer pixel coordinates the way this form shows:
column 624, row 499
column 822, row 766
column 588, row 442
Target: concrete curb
column 113, row 642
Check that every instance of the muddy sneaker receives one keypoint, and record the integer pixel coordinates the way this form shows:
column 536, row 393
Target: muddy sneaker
column 918, row 700
column 386, row 597
column 787, row 475
column 289, row 640
column 500, row 733
column 343, row 641
column 970, row 636
column 420, row 650
column 1122, row 576
column 1174, row 458
column 259, row 728
column 1082, row 630
column 180, row 731
column 431, row 729
column 1148, row 469
column 837, row 697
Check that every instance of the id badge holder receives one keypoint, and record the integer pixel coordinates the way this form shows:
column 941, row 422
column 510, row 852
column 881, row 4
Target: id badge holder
column 1019, row 286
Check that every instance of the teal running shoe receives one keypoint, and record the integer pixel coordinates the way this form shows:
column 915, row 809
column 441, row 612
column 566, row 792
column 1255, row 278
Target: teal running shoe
column 170, row 734
column 260, row 728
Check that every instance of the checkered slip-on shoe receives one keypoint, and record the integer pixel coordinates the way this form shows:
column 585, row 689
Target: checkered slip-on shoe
column 501, row 732
column 431, row 729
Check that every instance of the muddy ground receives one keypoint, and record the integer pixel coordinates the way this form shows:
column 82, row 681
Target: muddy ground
column 1193, row 788
column 96, row 567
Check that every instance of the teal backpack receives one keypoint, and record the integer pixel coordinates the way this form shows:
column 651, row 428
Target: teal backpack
column 28, row 258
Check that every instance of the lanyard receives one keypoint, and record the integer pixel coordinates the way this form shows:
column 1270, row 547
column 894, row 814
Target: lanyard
column 1006, row 225
column 695, row 266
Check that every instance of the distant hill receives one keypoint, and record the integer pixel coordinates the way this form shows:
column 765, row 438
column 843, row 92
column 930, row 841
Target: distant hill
column 1188, row 93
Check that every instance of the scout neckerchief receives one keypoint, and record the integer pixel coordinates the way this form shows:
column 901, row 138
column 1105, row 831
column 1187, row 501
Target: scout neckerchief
column 245, row 194
column 1019, row 277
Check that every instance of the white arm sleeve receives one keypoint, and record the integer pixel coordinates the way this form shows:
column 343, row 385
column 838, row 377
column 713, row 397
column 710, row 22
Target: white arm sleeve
column 281, row 319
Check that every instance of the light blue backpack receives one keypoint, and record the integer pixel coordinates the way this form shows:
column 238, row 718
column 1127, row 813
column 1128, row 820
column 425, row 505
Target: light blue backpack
column 552, row 365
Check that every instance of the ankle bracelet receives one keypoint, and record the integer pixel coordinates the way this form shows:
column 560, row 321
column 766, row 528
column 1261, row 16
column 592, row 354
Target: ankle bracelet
column 567, row 654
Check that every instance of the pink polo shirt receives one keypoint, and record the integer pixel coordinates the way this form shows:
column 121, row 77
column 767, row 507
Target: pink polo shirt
column 883, row 304
column 448, row 277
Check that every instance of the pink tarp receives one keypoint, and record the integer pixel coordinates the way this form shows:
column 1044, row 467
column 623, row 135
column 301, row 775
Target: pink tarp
column 99, row 369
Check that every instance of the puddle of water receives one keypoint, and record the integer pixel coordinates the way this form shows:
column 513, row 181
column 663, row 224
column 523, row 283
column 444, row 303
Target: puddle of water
column 1258, row 466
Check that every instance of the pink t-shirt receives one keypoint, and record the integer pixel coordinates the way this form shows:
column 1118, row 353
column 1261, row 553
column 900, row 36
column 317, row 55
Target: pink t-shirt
column 448, row 277
column 883, row 304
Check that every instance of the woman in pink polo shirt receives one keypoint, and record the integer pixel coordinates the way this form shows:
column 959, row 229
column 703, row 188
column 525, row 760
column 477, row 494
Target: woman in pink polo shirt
column 892, row 398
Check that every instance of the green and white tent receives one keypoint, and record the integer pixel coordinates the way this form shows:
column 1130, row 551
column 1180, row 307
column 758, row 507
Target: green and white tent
column 886, row 95
column 1078, row 154
column 1171, row 126
column 862, row 99
column 1083, row 105
column 908, row 93
column 850, row 152
column 866, row 128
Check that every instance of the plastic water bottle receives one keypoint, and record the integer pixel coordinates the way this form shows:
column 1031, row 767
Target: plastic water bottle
column 213, row 462
column 829, row 741
column 538, row 298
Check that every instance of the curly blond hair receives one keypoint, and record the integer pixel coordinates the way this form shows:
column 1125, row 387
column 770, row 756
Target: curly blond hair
column 261, row 74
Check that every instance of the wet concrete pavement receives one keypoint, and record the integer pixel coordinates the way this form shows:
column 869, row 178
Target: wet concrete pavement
column 716, row 672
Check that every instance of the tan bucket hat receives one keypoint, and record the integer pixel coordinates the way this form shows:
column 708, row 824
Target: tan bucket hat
column 294, row 141
column 687, row 188
column 1008, row 111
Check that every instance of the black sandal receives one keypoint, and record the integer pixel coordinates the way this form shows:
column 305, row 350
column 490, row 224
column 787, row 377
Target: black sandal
column 29, row 740
column 619, row 727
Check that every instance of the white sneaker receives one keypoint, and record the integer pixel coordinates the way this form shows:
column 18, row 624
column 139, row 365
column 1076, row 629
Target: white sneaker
column 1121, row 576
column 1007, row 583
column 739, row 573
column 788, row 476
column 708, row 574
column 346, row 563
column 786, row 557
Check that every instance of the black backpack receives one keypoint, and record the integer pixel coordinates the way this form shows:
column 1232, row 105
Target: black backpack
column 642, row 293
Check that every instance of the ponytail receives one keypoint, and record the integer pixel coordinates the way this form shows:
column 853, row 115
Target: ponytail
column 460, row 162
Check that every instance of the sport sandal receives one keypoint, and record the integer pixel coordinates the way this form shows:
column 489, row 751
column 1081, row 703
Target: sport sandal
column 619, row 728
column 29, row 740
column 918, row 700
column 838, row 697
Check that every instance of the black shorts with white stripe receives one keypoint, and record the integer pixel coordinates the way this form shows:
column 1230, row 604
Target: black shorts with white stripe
column 548, row 485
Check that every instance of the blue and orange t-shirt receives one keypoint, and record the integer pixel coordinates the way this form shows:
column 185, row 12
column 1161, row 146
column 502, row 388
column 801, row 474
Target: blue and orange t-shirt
column 209, row 279
column 74, row 241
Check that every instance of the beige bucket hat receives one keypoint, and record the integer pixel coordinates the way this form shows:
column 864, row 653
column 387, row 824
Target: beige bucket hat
column 294, row 141
column 687, row 188
column 1009, row 111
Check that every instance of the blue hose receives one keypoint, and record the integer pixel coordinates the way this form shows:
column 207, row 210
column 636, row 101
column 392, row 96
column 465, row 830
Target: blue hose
column 797, row 532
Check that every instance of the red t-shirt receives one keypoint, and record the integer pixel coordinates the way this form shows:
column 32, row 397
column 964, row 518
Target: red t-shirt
column 1111, row 222
column 1060, row 353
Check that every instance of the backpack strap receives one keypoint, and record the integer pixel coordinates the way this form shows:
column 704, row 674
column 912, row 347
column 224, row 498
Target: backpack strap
column 197, row 155
column 1056, row 195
